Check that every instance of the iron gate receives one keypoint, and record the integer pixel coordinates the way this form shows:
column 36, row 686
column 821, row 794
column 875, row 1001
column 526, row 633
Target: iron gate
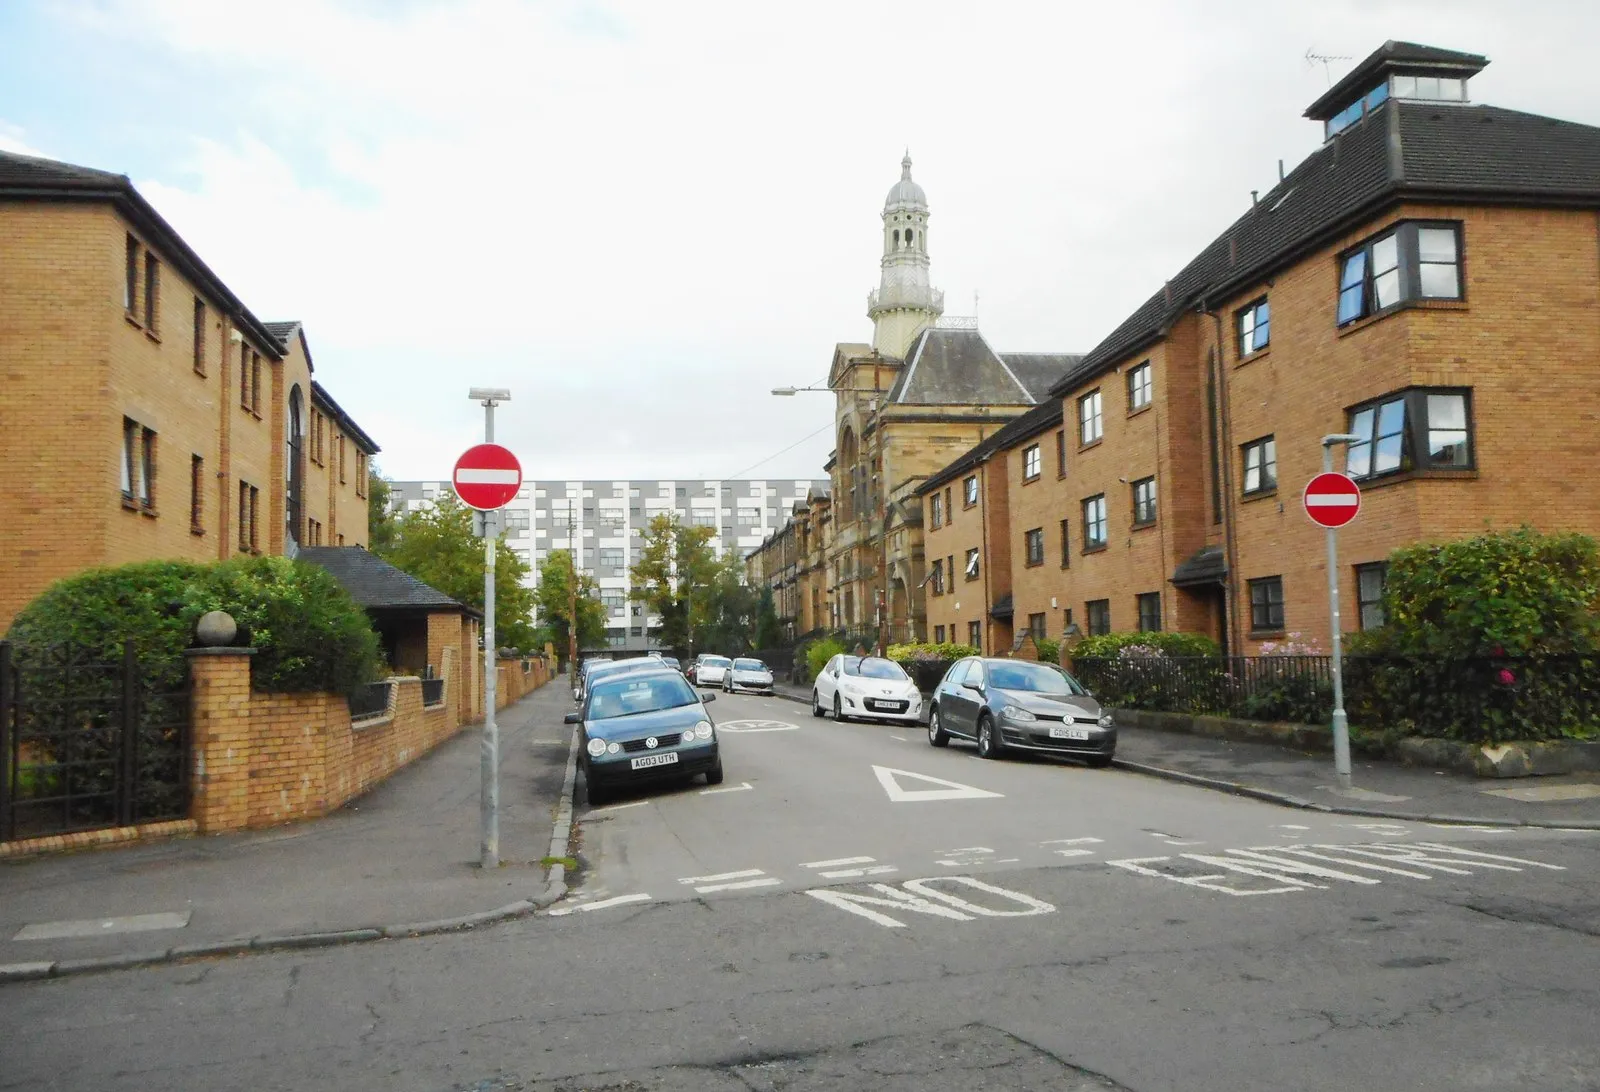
column 88, row 743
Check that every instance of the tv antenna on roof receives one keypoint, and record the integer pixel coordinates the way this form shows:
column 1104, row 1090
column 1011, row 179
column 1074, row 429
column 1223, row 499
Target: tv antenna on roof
column 1313, row 57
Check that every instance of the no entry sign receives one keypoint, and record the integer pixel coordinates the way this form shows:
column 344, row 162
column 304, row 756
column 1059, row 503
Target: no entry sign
column 487, row 477
column 1332, row 500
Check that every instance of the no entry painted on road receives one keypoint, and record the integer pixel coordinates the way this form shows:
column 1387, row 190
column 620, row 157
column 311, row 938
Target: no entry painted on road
column 1332, row 500
column 486, row 477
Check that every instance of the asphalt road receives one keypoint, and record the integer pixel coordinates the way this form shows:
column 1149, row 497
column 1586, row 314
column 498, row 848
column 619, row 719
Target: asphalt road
column 1031, row 925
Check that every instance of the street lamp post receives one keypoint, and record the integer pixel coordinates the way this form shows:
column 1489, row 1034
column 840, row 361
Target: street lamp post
column 876, row 405
column 1341, row 724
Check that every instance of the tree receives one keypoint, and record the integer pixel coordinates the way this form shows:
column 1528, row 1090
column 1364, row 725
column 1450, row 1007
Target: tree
column 730, row 610
column 769, row 634
column 673, row 576
column 381, row 524
column 554, row 599
column 437, row 547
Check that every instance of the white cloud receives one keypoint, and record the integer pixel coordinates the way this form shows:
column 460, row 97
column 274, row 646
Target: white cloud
column 14, row 139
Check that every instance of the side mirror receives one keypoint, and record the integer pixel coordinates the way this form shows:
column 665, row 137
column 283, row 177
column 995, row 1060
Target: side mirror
column 572, row 718
column 971, row 684
column 707, row 696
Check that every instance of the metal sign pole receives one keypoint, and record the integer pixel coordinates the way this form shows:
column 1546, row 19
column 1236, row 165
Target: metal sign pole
column 1341, row 727
column 489, row 801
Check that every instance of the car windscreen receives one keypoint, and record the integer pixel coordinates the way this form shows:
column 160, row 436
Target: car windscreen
column 749, row 665
column 630, row 695
column 1032, row 678
column 715, row 661
column 873, row 667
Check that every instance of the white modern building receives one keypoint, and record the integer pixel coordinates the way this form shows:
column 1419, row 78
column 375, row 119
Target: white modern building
column 603, row 522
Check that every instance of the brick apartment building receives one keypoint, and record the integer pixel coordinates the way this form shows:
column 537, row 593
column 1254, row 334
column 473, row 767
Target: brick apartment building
column 145, row 412
column 1428, row 280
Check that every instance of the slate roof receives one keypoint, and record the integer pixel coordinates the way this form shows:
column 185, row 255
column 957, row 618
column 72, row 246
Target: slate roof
column 1393, row 56
column 1039, row 372
column 1207, row 565
column 1041, row 418
column 281, row 330
column 1004, row 608
column 1402, row 150
column 375, row 584
column 947, row 367
column 324, row 401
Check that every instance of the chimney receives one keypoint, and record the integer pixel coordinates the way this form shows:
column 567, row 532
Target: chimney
column 1233, row 250
column 1280, row 170
column 1167, row 293
column 1254, row 197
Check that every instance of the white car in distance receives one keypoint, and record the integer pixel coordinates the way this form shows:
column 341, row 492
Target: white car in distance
column 867, row 688
column 710, row 670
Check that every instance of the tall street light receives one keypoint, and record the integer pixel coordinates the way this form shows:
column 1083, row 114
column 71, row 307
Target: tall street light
column 875, row 404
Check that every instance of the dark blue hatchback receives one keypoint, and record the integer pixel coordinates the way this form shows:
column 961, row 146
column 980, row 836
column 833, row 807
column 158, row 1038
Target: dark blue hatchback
column 645, row 726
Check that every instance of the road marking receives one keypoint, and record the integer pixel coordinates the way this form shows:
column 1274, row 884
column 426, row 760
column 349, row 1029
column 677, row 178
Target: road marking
column 902, row 739
column 1383, row 830
column 96, row 927
column 850, row 873
column 723, row 876
column 921, row 897
column 889, row 778
column 1478, row 830
column 742, row 885
column 618, row 807
column 757, row 726
column 1172, row 839
column 960, row 858
column 838, row 862
column 620, row 900
column 741, row 787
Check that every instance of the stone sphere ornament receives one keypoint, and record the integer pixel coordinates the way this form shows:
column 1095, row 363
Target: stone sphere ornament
column 216, row 629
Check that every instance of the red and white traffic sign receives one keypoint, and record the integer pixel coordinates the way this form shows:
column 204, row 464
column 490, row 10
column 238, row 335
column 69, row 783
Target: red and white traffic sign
column 487, row 477
column 1332, row 500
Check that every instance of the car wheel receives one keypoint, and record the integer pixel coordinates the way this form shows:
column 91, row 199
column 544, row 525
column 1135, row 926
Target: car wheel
column 1100, row 762
column 714, row 774
column 936, row 733
column 816, row 704
column 988, row 741
column 838, row 709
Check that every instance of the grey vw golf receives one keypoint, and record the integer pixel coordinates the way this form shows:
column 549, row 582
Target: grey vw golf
column 644, row 726
column 1006, row 705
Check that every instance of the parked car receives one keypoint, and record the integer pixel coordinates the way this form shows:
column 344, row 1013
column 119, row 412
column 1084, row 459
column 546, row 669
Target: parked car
column 869, row 687
column 644, row 726
column 672, row 662
column 709, row 669
column 749, row 674
column 601, row 668
column 1005, row 705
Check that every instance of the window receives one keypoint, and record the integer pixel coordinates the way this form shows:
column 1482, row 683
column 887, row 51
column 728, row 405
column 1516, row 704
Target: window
column 199, row 336
column 138, row 465
column 1036, row 626
column 1098, row 612
column 1416, row 260
column 1260, row 466
column 612, row 598
column 1066, row 545
column 1370, row 580
column 339, row 453
column 611, row 556
column 1149, row 612
column 1061, row 453
column 1255, row 327
column 1030, row 462
column 975, row 635
column 313, row 532
column 1089, row 423
column 130, row 280
column 152, row 291
column 972, row 565
column 249, row 380
column 749, row 517
column 1144, row 502
column 249, row 511
column 361, row 473
column 938, row 635
column 703, row 517
column 1419, row 429
column 197, row 492
column 1034, row 542
column 969, row 491
column 936, row 507
column 1140, row 387
column 1266, row 604
column 937, row 579
column 1094, row 523
column 513, row 520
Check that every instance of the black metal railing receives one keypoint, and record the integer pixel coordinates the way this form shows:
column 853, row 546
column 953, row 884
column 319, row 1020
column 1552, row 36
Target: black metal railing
column 370, row 700
column 87, row 743
column 432, row 692
column 1473, row 699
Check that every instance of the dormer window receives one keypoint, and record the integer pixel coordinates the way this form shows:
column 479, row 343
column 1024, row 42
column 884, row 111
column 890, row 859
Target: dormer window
column 1398, row 70
column 1358, row 109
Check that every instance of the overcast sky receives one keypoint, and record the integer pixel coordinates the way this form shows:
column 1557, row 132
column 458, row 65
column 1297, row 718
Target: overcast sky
column 642, row 216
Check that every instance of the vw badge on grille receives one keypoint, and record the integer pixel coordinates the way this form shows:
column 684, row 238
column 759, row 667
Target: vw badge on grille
column 650, row 743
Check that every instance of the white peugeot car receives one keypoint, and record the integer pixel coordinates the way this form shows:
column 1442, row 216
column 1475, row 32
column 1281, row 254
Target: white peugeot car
column 748, row 674
column 709, row 670
column 866, row 687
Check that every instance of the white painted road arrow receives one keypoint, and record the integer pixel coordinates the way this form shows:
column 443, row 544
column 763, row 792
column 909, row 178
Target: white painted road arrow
column 952, row 790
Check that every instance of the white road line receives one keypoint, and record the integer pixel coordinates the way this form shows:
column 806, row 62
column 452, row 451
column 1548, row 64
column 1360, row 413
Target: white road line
column 619, row 807
column 710, row 887
column 741, row 787
column 1074, row 853
column 902, row 739
column 723, row 876
column 1072, row 841
column 838, row 862
column 620, row 900
column 848, row 873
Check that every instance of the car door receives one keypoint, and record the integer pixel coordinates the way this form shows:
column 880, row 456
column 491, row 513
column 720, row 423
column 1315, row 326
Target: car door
column 828, row 682
column 957, row 710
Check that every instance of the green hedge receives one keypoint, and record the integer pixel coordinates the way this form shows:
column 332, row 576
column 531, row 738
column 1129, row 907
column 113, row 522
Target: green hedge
column 1108, row 645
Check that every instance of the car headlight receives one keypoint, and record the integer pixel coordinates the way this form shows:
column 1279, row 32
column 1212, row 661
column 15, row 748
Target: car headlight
column 614, row 748
column 701, row 730
column 1105, row 720
column 597, row 747
column 1017, row 713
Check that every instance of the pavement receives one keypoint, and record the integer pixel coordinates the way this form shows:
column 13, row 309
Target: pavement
column 401, row 860
column 1379, row 788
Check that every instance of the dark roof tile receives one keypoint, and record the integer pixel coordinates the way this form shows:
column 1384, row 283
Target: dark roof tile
column 374, row 583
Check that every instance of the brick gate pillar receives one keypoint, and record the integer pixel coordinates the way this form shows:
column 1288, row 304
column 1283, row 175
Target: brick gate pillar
column 220, row 730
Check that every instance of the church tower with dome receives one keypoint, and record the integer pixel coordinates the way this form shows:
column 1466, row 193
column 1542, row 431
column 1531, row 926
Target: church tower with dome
column 905, row 303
